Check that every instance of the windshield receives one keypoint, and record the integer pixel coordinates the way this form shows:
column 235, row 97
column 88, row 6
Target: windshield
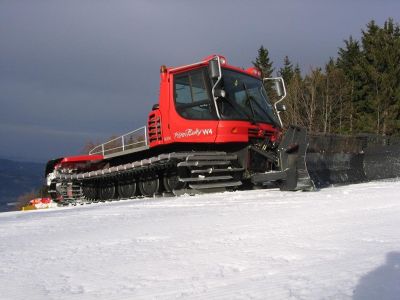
column 245, row 98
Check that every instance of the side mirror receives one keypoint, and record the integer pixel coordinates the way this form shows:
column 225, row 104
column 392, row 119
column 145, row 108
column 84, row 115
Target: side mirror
column 280, row 107
column 278, row 87
column 214, row 68
column 219, row 93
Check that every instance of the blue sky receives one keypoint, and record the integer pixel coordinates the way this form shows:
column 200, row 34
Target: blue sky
column 73, row 71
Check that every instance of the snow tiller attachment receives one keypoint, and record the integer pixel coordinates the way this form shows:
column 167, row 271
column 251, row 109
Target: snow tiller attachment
column 336, row 159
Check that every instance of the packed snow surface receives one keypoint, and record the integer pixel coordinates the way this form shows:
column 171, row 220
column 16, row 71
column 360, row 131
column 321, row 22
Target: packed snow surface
column 336, row 243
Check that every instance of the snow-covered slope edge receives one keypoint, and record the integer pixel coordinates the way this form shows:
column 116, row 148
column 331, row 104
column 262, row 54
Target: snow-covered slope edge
column 338, row 243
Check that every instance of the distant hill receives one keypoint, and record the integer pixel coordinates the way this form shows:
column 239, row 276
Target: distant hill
column 17, row 178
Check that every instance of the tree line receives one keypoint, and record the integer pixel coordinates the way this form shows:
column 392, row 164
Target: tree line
column 357, row 92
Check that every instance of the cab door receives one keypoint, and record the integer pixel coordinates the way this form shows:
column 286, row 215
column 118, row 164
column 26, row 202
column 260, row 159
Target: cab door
column 192, row 112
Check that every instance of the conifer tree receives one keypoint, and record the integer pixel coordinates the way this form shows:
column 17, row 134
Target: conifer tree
column 348, row 61
column 287, row 71
column 263, row 62
column 297, row 71
column 380, row 64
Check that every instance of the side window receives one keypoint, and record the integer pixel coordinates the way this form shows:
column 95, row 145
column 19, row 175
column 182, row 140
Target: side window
column 198, row 86
column 192, row 100
column 182, row 90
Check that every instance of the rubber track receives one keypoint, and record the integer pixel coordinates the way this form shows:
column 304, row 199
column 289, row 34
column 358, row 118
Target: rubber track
column 200, row 167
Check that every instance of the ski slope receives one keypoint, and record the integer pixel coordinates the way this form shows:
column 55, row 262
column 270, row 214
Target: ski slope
column 337, row 243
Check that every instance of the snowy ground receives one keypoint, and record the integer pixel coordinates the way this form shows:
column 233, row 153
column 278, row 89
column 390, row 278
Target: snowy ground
column 338, row 243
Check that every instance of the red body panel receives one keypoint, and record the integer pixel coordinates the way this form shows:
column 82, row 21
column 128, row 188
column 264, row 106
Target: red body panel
column 241, row 131
column 81, row 158
column 173, row 128
column 78, row 160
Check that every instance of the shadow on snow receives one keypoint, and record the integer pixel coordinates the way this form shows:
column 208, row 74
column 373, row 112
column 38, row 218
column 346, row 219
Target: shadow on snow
column 381, row 283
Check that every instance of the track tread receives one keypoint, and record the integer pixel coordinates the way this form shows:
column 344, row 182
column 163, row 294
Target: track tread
column 189, row 163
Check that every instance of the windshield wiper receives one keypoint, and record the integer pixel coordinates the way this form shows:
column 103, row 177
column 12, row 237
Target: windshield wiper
column 238, row 109
column 250, row 100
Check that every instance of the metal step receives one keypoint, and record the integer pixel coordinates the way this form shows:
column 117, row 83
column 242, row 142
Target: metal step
column 212, row 170
column 203, row 178
column 193, row 192
column 182, row 155
column 200, row 186
column 203, row 163
column 211, row 157
column 260, row 178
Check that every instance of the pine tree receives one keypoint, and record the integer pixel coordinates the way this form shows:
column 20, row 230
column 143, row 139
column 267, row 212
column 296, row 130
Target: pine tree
column 297, row 71
column 348, row 61
column 263, row 63
column 372, row 69
column 287, row 71
column 294, row 88
column 381, row 81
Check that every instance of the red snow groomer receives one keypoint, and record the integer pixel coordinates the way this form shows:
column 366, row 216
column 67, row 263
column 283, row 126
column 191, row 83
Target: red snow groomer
column 213, row 129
